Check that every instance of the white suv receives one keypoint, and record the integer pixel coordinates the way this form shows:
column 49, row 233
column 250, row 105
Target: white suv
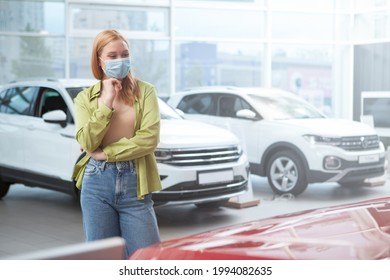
column 287, row 139
column 198, row 163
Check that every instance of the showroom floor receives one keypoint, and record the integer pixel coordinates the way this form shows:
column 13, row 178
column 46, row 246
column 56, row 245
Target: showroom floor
column 34, row 219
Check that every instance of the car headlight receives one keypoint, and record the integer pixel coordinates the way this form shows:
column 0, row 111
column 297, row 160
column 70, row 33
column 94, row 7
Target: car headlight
column 239, row 150
column 322, row 140
column 162, row 155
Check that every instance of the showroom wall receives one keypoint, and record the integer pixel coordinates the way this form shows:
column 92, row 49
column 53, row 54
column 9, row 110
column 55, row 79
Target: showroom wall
column 371, row 71
column 371, row 75
column 372, row 64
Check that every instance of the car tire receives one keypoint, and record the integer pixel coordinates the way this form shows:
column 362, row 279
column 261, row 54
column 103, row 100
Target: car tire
column 213, row 204
column 286, row 174
column 4, row 187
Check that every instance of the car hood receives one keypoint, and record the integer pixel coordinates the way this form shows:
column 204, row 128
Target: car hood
column 352, row 231
column 330, row 127
column 188, row 134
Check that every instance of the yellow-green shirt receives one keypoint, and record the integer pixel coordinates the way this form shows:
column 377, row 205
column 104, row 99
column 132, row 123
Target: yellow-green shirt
column 92, row 122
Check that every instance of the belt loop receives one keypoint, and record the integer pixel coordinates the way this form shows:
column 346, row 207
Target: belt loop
column 102, row 165
column 133, row 167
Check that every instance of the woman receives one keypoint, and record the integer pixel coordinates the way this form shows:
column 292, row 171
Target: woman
column 118, row 126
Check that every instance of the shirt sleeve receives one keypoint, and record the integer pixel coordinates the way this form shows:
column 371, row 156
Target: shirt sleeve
column 146, row 138
column 91, row 126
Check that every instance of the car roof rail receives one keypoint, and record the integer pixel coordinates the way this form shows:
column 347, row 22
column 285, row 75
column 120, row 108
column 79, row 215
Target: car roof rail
column 211, row 87
column 33, row 79
column 52, row 79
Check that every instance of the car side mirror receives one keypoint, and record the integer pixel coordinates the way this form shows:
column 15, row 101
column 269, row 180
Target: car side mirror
column 56, row 116
column 246, row 114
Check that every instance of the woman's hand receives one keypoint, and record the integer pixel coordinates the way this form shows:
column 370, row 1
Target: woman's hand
column 110, row 89
column 98, row 154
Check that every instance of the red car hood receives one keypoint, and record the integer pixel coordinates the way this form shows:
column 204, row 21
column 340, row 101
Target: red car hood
column 352, row 231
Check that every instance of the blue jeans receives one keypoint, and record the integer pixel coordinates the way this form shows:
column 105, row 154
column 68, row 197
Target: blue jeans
column 110, row 206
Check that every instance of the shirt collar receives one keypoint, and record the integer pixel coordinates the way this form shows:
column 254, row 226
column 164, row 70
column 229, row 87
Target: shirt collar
column 95, row 91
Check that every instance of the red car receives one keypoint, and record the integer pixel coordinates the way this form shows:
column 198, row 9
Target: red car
column 352, row 231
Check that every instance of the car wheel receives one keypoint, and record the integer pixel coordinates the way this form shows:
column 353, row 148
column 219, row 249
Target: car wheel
column 213, row 204
column 4, row 187
column 286, row 174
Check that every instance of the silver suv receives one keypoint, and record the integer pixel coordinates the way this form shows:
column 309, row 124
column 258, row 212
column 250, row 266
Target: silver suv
column 287, row 139
column 198, row 163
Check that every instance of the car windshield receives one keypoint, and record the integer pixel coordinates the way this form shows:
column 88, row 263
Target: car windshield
column 281, row 107
column 166, row 112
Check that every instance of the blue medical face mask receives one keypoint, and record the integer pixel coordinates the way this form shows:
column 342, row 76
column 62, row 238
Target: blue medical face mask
column 117, row 68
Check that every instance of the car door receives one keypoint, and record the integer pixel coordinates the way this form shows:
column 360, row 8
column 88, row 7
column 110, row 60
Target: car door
column 245, row 129
column 50, row 147
column 16, row 105
column 220, row 109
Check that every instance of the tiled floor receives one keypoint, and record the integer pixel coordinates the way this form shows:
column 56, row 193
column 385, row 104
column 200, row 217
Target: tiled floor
column 33, row 219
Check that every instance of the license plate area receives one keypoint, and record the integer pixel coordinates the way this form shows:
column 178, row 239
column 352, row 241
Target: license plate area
column 369, row 158
column 212, row 177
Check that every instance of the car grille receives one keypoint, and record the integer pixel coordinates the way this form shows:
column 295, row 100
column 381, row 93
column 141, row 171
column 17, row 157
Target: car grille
column 199, row 156
column 360, row 143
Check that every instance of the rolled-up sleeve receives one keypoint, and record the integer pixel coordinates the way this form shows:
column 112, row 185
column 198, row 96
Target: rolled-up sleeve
column 91, row 125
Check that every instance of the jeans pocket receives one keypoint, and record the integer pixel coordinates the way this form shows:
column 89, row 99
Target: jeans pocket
column 92, row 167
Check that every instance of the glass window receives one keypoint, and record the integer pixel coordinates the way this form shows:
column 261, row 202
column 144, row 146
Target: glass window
column 218, row 63
column 372, row 26
column 306, row 70
column 227, row 1
column 19, row 100
column 226, row 106
column 129, row 19
column 3, row 101
column 74, row 91
column 323, row 5
column 219, row 23
column 52, row 100
column 229, row 105
column 27, row 57
column 372, row 4
column 167, row 112
column 43, row 17
column 150, row 61
column 284, row 107
column 343, row 27
column 198, row 104
column 302, row 26
column 241, row 104
column 80, row 50
column 344, row 5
